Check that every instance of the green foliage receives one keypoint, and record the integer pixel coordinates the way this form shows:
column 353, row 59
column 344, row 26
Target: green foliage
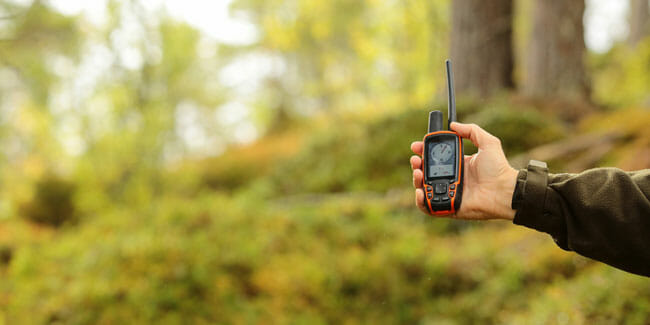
column 346, row 155
column 322, row 259
column 52, row 203
column 353, row 155
column 587, row 299
column 241, row 166
column 519, row 128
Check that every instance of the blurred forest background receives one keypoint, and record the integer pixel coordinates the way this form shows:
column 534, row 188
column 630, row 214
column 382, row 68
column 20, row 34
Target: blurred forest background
column 155, row 172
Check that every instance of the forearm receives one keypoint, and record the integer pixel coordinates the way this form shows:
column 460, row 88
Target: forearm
column 601, row 213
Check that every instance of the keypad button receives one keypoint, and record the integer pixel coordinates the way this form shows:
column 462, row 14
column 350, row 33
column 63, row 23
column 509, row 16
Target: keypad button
column 429, row 188
column 436, row 199
column 452, row 186
column 429, row 196
column 441, row 188
column 451, row 194
column 444, row 198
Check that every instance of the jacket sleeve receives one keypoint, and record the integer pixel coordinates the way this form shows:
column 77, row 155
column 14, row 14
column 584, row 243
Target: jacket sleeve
column 602, row 213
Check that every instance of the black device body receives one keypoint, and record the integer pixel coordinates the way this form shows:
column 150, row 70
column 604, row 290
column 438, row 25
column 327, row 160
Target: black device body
column 443, row 160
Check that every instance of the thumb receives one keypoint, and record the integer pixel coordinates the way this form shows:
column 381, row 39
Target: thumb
column 479, row 137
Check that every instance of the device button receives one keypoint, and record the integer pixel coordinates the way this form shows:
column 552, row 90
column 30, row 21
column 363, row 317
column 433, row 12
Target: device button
column 444, row 198
column 441, row 188
column 428, row 188
column 451, row 194
column 436, row 199
column 452, row 186
column 429, row 196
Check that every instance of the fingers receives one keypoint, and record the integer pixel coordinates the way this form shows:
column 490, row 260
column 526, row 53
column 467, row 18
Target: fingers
column 417, row 178
column 417, row 147
column 416, row 162
column 468, row 159
column 416, row 165
column 479, row 137
column 419, row 200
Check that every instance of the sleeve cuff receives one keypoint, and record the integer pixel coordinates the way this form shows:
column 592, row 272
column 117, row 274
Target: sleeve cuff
column 533, row 195
column 518, row 194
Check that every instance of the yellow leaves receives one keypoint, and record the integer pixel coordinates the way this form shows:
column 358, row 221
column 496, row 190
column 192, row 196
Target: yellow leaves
column 422, row 93
column 292, row 281
column 241, row 164
column 31, row 119
column 365, row 47
column 622, row 76
column 321, row 30
column 280, row 35
column 631, row 153
column 33, row 167
column 348, row 54
column 631, row 121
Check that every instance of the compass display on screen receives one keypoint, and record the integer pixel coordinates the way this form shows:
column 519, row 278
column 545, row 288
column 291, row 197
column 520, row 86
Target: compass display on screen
column 440, row 162
column 441, row 153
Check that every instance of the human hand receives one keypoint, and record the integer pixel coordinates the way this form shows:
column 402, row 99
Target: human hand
column 489, row 180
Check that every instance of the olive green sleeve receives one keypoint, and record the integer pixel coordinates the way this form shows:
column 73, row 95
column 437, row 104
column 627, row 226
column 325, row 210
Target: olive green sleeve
column 602, row 213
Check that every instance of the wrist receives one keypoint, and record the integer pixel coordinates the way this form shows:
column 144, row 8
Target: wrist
column 505, row 189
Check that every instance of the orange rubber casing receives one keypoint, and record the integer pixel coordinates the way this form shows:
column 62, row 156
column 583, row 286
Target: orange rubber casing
column 460, row 162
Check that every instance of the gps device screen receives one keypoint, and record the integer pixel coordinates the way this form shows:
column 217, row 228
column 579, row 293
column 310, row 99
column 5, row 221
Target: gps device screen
column 442, row 156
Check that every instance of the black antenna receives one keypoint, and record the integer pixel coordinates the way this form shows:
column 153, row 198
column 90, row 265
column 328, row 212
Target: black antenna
column 451, row 99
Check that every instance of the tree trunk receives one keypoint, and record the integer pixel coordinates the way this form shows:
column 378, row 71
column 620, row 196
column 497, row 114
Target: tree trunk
column 555, row 69
column 481, row 46
column 639, row 21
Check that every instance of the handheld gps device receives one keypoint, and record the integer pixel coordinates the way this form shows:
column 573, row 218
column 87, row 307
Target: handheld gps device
column 443, row 159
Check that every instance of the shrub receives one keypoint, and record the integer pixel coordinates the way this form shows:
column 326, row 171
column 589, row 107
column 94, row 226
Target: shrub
column 52, row 202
